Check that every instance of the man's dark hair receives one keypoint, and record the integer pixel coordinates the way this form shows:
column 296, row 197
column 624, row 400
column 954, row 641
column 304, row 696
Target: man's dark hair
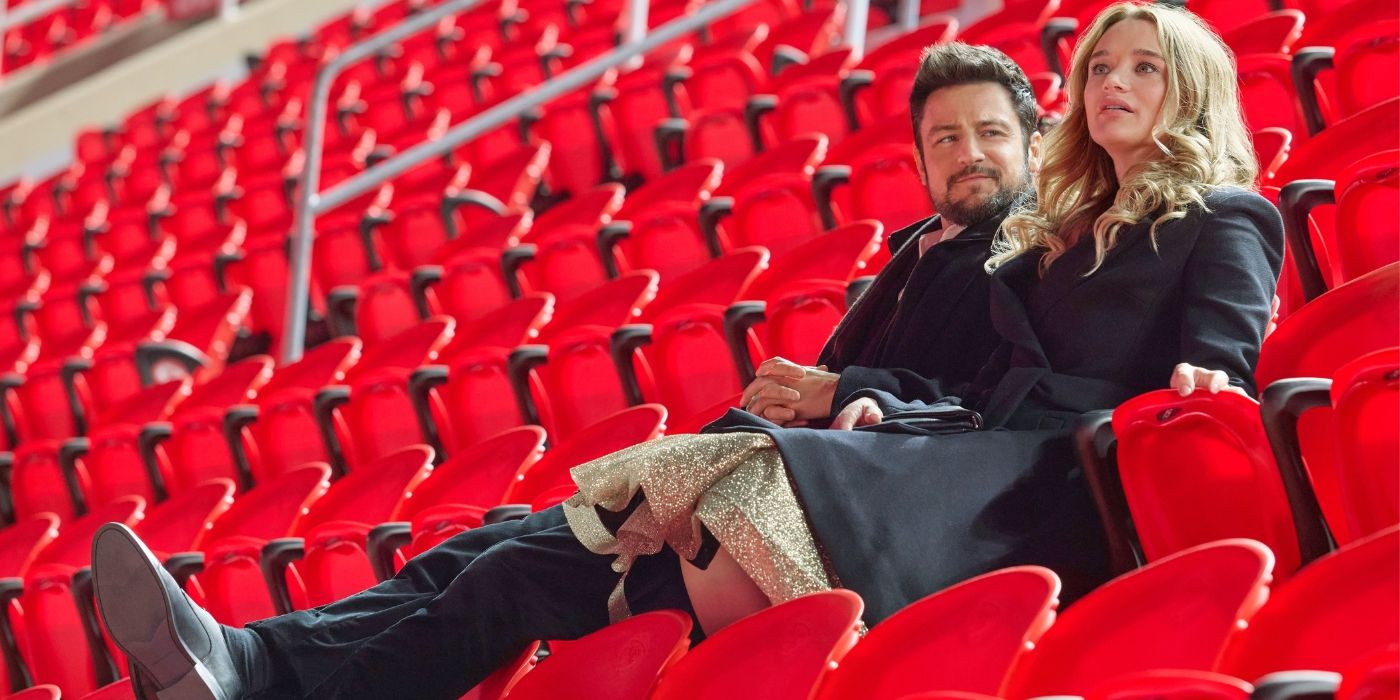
column 946, row 65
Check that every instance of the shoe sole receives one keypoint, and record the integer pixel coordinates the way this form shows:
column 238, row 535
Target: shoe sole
column 138, row 615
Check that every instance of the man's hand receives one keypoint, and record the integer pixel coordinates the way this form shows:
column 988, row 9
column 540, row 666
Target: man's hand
column 788, row 393
column 1187, row 378
column 862, row 411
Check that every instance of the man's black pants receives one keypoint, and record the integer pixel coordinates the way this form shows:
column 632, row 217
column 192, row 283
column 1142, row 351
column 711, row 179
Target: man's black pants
column 459, row 611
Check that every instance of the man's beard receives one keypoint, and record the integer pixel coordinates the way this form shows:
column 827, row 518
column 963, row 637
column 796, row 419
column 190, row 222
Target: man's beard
column 974, row 209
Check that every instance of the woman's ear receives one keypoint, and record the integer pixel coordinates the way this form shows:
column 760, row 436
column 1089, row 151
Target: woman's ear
column 1033, row 154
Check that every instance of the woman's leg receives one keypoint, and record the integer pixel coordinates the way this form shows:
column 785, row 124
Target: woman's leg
column 722, row 592
column 306, row 646
column 541, row 585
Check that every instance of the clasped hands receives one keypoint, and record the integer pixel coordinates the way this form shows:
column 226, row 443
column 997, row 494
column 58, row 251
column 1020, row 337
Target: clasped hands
column 792, row 396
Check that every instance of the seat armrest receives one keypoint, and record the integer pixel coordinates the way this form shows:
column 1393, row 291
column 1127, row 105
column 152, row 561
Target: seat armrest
column 675, row 76
column 846, row 91
column 340, row 309
column 103, row 666
column 419, row 281
column 9, row 382
column 328, row 399
column 1281, row 405
column 7, row 499
column 608, row 237
column 10, row 590
column 754, row 109
column 151, row 352
column 785, row 56
column 150, row 437
column 824, row 181
column 276, row 556
column 738, row 319
column 856, row 287
column 711, row 212
column 670, row 142
column 476, row 198
column 236, row 418
column 68, row 455
column 626, row 340
column 1307, row 64
column 1096, row 447
column 184, row 565
column 382, row 543
column 420, row 384
column 596, row 101
column 511, row 260
column 72, row 367
column 369, row 223
column 522, row 360
column 1297, row 685
column 508, row 511
column 1055, row 29
column 1296, row 201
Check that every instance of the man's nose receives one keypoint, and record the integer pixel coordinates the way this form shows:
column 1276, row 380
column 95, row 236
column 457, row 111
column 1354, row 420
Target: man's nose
column 972, row 152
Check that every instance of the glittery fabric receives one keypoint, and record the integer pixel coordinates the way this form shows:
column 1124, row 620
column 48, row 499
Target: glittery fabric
column 734, row 484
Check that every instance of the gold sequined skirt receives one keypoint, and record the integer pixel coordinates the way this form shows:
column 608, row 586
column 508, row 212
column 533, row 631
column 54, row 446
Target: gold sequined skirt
column 734, row 484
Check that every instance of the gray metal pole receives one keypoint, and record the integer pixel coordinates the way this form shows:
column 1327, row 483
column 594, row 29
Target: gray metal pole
column 298, row 291
column 30, row 11
column 312, row 202
column 856, row 13
column 908, row 14
column 637, row 18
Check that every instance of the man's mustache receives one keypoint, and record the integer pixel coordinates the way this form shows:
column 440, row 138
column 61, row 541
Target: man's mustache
column 974, row 170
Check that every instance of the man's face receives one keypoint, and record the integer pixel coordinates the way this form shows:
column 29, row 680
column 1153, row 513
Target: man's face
column 975, row 160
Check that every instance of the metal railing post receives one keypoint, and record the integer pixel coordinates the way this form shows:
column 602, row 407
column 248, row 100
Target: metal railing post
column 298, row 292
column 637, row 18
column 857, row 11
column 908, row 15
column 311, row 201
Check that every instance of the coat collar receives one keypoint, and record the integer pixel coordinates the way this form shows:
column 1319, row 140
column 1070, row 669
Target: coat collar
column 1067, row 273
column 901, row 238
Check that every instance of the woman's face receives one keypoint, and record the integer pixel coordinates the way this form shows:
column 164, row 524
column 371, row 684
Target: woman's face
column 1123, row 95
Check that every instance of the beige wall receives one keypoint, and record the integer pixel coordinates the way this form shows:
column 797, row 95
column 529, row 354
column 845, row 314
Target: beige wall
column 35, row 130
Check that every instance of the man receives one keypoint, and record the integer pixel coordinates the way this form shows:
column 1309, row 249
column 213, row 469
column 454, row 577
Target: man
column 925, row 315
column 462, row 609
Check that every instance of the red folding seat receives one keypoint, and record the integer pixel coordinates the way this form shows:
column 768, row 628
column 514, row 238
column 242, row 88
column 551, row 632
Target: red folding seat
column 879, row 84
column 261, row 266
column 1325, row 618
column 803, row 98
column 1016, row 31
column 965, row 639
column 1198, row 468
column 37, row 483
column 767, row 200
column 347, row 425
column 1328, row 153
column 380, row 307
column 53, row 395
column 420, row 222
column 656, row 228
column 55, row 645
column 1363, row 237
column 799, row 299
column 619, row 430
column 1267, row 94
column 120, row 690
column 519, row 66
column 19, row 343
column 1059, row 32
column 1365, row 67
column 112, row 456
column 324, row 560
column 1340, row 466
column 510, row 179
column 718, row 82
column 582, row 130
column 872, row 175
column 592, row 369
column 477, row 476
column 1268, row 33
column 136, row 333
column 20, row 546
column 39, row 692
column 223, row 575
column 519, row 321
column 67, row 251
column 782, row 652
column 1179, row 612
column 640, row 100
column 654, row 642
column 192, row 447
column 1271, row 146
column 560, row 252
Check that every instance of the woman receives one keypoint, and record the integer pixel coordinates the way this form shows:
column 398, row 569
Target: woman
column 1147, row 263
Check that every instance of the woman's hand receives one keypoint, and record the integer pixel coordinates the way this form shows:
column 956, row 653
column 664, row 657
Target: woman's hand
column 1187, row 378
column 862, row 411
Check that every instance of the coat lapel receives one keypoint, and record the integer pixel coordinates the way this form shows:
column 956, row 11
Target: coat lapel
column 1067, row 273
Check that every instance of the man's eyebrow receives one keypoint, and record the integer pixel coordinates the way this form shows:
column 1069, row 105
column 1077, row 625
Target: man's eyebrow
column 995, row 122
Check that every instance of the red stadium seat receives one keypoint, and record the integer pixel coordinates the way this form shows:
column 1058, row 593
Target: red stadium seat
column 781, row 652
column 654, row 642
column 965, row 638
column 1177, row 613
column 879, row 84
column 622, row 429
column 767, row 200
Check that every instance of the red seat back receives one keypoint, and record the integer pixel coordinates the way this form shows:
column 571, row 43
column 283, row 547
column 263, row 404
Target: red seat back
column 652, row 641
column 615, row 432
column 477, row 476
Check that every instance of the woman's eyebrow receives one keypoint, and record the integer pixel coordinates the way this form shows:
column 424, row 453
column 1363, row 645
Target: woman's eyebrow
column 1139, row 52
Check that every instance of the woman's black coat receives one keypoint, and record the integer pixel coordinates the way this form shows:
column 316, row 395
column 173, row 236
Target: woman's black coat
column 902, row 515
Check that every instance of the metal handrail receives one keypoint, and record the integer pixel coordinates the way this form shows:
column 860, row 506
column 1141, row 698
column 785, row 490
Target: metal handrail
column 311, row 201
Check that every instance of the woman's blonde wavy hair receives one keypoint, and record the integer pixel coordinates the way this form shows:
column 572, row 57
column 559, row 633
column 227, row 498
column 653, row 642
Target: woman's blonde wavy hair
column 1201, row 135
